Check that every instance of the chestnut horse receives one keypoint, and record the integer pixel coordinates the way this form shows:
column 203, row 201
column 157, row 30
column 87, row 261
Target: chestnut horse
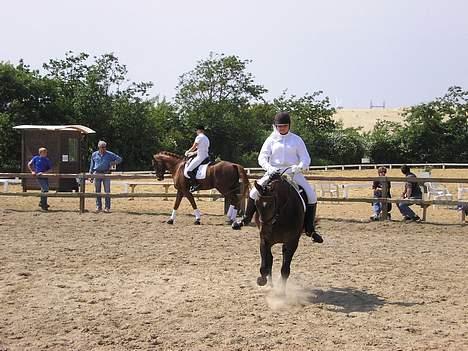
column 280, row 218
column 223, row 176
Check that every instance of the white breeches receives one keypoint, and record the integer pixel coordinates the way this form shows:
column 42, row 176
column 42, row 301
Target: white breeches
column 196, row 162
column 299, row 179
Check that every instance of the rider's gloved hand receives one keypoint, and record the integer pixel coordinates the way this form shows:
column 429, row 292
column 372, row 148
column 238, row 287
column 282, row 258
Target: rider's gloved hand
column 296, row 169
column 271, row 169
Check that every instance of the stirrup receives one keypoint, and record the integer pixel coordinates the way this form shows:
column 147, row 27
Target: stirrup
column 194, row 188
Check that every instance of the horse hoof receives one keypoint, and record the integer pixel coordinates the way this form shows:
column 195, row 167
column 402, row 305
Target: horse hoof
column 170, row 221
column 197, row 222
column 317, row 238
column 261, row 281
column 236, row 225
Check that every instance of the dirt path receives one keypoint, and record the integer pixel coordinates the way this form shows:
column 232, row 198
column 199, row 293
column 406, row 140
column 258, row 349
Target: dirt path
column 127, row 281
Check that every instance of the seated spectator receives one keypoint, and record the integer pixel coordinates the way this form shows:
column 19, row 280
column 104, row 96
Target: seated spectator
column 377, row 187
column 412, row 191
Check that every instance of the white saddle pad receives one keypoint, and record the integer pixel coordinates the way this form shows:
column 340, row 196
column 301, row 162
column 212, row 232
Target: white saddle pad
column 201, row 173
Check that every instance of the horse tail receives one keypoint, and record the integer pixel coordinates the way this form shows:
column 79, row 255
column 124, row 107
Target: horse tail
column 245, row 182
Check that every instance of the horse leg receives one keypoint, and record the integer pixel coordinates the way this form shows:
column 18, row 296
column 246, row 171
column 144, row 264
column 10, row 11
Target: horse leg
column 233, row 208
column 265, row 268
column 197, row 213
column 177, row 202
column 269, row 259
column 289, row 249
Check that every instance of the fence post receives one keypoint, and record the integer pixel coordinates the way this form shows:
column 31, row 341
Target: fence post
column 82, row 192
column 384, row 215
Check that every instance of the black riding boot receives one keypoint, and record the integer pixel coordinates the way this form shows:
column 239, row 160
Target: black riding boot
column 311, row 210
column 247, row 218
column 193, row 181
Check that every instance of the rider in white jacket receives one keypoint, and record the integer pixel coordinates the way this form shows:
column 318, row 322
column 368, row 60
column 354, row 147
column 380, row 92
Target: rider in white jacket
column 284, row 150
column 201, row 147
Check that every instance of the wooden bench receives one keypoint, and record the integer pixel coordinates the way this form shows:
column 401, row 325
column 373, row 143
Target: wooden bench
column 166, row 186
column 133, row 185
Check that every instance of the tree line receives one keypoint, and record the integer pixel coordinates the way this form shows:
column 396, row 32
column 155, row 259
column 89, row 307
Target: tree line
column 220, row 93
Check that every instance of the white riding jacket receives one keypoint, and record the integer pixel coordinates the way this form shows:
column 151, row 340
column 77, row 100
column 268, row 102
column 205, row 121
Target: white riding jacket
column 283, row 151
column 203, row 145
column 202, row 151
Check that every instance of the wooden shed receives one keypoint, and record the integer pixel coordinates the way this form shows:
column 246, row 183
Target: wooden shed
column 65, row 149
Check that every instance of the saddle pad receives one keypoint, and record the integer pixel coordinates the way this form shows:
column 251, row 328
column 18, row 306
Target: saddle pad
column 201, row 172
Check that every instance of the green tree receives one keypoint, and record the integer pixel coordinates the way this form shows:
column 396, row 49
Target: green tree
column 438, row 131
column 385, row 144
column 218, row 93
column 95, row 92
column 312, row 119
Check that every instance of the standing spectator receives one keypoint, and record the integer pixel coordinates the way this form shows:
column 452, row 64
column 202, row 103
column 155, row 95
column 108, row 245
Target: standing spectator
column 377, row 187
column 101, row 163
column 412, row 191
column 38, row 165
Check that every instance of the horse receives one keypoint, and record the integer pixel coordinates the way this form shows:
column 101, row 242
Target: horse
column 280, row 219
column 223, row 176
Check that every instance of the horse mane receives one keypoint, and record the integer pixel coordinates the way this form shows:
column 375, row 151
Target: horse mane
column 171, row 154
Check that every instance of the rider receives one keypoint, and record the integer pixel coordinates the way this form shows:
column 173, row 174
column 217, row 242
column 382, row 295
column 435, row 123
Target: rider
column 284, row 150
column 200, row 147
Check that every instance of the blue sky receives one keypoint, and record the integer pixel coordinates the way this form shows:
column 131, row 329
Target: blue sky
column 400, row 51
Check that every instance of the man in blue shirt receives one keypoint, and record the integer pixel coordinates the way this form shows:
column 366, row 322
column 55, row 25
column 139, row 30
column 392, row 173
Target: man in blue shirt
column 101, row 163
column 38, row 165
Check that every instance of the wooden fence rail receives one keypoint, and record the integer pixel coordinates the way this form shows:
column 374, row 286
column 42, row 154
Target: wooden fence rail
column 82, row 195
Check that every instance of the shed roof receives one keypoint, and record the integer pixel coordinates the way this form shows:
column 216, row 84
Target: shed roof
column 71, row 127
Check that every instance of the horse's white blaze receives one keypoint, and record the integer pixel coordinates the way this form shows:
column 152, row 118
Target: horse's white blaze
column 264, row 204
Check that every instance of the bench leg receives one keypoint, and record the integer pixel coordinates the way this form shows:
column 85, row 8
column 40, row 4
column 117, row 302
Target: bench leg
column 424, row 214
column 166, row 191
column 132, row 191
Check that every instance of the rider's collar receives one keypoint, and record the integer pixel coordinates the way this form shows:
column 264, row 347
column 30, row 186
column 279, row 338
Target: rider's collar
column 277, row 135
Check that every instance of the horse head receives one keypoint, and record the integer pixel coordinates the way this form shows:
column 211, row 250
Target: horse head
column 159, row 166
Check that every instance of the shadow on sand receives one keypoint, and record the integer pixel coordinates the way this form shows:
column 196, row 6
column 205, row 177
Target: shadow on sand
column 343, row 300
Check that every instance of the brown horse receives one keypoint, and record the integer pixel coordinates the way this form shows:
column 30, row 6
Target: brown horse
column 280, row 218
column 223, row 176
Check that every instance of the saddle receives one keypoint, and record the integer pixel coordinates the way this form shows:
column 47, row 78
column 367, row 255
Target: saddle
column 200, row 170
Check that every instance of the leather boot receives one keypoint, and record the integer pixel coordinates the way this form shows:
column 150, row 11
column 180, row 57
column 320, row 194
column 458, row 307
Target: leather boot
column 193, row 181
column 247, row 218
column 309, row 223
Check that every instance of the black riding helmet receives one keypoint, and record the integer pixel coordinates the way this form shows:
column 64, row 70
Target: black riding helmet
column 283, row 118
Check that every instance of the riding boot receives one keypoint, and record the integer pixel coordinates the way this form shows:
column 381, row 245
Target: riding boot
column 193, row 181
column 247, row 218
column 310, row 213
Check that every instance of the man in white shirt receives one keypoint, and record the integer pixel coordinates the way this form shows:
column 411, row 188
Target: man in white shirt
column 284, row 150
column 201, row 146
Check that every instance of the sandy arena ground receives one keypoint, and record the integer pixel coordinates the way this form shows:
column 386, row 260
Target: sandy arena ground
column 128, row 281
